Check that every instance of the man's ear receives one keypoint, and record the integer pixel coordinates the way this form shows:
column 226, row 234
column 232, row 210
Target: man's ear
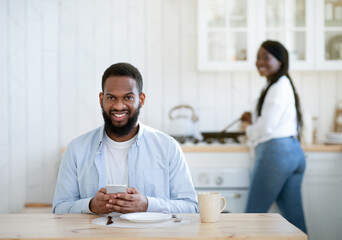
column 101, row 98
column 142, row 99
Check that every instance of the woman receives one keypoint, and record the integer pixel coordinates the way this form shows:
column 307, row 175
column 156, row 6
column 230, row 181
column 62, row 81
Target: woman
column 280, row 162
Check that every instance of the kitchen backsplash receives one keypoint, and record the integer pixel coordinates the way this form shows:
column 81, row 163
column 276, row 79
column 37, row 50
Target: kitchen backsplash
column 52, row 61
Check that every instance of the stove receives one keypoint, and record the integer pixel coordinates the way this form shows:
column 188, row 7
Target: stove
column 211, row 137
column 182, row 139
column 232, row 183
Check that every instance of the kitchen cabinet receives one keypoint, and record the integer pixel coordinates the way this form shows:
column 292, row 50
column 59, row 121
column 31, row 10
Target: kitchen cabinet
column 291, row 23
column 322, row 195
column 224, row 170
column 207, row 157
column 329, row 34
column 321, row 189
column 231, row 31
column 226, row 34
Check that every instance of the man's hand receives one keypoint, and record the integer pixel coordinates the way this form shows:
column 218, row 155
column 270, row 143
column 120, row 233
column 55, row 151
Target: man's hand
column 132, row 201
column 99, row 202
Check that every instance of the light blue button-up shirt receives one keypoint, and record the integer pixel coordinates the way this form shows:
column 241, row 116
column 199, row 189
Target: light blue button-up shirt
column 156, row 167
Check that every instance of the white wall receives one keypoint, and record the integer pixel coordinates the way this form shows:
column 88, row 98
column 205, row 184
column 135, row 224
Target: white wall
column 54, row 52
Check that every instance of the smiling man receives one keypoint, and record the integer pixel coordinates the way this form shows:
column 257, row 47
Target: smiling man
column 124, row 152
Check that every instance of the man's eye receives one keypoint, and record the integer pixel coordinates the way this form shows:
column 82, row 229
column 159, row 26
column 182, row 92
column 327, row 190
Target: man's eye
column 110, row 98
column 129, row 98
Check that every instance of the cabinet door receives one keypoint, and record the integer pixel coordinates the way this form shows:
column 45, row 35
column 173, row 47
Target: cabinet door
column 231, row 31
column 329, row 34
column 322, row 195
column 226, row 34
column 289, row 22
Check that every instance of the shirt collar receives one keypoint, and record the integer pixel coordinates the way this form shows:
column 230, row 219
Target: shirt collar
column 100, row 138
column 102, row 135
column 140, row 132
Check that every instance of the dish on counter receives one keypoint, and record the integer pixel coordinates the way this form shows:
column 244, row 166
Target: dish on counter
column 333, row 142
column 145, row 217
column 335, row 136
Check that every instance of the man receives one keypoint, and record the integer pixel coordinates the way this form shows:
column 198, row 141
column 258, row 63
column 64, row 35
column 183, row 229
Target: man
column 123, row 151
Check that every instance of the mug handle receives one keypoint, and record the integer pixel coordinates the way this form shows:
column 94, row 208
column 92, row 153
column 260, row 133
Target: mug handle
column 224, row 204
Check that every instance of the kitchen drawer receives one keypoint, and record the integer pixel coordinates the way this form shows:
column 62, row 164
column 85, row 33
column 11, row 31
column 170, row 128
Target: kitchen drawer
column 218, row 159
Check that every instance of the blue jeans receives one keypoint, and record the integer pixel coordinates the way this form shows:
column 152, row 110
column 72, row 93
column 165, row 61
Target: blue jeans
column 277, row 176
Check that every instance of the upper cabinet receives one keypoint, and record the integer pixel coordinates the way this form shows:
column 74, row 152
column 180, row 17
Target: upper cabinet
column 226, row 34
column 289, row 22
column 231, row 31
column 329, row 34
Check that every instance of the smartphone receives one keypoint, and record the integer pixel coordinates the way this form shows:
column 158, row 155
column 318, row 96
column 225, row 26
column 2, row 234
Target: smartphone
column 114, row 188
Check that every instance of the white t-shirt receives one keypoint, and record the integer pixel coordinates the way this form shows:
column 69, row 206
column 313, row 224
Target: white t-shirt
column 278, row 114
column 116, row 160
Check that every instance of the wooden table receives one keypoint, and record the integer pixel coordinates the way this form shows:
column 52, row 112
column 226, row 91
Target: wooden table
column 79, row 226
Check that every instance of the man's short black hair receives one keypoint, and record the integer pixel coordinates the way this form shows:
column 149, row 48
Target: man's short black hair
column 123, row 69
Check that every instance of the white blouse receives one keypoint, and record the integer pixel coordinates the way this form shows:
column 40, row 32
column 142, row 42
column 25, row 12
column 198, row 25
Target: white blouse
column 278, row 114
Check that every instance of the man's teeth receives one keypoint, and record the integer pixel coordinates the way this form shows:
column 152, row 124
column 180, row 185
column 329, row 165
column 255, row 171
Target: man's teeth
column 119, row 115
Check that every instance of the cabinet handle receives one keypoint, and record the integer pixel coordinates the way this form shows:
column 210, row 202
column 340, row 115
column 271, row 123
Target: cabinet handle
column 233, row 196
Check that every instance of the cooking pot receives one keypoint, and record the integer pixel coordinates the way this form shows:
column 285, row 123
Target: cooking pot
column 182, row 125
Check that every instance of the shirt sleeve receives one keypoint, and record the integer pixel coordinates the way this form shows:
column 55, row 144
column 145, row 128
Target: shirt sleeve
column 183, row 197
column 67, row 198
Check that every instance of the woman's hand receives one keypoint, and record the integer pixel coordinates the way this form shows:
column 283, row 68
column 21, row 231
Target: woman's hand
column 246, row 120
column 246, row 117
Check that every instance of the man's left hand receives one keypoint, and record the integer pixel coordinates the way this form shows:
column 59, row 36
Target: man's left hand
column 132, row 201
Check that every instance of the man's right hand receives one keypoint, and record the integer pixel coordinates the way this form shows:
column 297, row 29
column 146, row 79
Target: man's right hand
column 98, row 203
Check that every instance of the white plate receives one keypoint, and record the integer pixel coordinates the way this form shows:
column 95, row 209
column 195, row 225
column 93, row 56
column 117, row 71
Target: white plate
column 145, row 217
column 338, row 142
column 334, row 136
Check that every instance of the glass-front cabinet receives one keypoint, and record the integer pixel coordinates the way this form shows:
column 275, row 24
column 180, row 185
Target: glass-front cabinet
column 289, row 22
column 329, row 38
column 231, row 31
column 225, row 34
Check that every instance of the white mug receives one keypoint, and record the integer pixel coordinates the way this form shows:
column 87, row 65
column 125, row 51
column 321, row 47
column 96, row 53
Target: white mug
column 209, row 204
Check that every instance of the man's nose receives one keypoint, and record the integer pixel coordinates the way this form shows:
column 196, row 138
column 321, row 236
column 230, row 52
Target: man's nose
column 119, row 104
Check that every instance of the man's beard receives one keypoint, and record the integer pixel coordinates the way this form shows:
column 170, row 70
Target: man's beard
column 120, row 131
